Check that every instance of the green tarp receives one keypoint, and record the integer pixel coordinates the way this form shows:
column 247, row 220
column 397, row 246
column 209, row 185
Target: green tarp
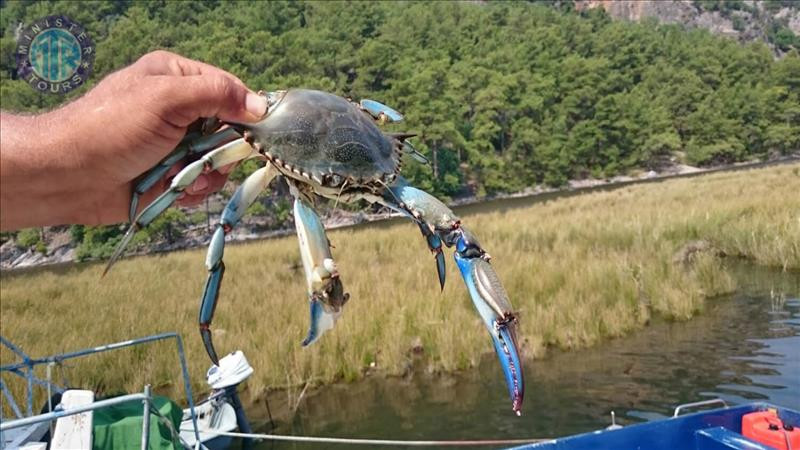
column 120, row 426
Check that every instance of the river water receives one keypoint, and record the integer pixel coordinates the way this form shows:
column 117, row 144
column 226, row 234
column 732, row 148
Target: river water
column 744, row 347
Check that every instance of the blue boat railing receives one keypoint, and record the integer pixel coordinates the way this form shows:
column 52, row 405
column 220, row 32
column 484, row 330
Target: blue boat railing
column 25, row 369
column 713, row 401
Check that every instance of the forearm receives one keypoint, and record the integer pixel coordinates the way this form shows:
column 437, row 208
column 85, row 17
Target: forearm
column 40, row 179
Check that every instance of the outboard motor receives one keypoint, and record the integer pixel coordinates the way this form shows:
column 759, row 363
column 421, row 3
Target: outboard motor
column 233, row 369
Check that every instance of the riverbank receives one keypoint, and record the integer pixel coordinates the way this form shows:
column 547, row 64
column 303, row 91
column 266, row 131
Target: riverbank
column 745, row 346
column 60, row 249
column 579, row 270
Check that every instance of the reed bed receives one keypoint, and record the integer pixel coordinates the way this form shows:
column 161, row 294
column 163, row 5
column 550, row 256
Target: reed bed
column 579, row 270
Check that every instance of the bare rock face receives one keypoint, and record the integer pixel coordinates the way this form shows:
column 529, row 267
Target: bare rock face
column 792, row 17
column 9, row 252
column 636, row 10
column 752, row 21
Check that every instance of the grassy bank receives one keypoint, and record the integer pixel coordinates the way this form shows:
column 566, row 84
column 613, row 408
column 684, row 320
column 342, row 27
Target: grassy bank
column 578, row 269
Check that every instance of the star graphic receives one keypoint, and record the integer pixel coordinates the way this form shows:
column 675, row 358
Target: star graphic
column 85, row 64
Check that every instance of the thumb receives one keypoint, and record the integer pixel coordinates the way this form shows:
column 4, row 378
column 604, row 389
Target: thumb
column 181, row 100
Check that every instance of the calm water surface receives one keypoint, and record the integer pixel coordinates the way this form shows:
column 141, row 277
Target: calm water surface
column 743, row 348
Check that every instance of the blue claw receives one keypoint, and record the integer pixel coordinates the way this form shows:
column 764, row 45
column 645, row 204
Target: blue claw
column 207, row 307
column 435, row 246
column 492, row 304
column 440, row 268
column 321, row 321
column 325, row 289
column 506, row 348
column 375, row 109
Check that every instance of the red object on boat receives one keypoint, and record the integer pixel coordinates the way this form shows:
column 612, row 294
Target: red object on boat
column 767, row 428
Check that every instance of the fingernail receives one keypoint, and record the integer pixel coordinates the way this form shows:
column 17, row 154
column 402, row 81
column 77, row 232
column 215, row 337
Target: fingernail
column 200, row 184
column 255, row 104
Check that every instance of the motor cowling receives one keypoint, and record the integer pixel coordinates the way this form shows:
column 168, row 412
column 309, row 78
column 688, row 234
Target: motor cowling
column 232, row 370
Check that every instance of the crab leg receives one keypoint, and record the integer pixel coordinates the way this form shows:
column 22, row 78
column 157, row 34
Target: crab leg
column 383, row 115
column 325, row 291
column 191, row 144
column 380, row 112
column 485, row 289
column 227, row 154
column 432, row 216
column 244, row 196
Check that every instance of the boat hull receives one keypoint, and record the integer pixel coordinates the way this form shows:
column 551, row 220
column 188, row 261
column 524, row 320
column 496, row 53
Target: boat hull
column 707, row 430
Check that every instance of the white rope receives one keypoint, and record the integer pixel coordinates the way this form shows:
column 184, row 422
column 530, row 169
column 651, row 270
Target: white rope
column 331, row 440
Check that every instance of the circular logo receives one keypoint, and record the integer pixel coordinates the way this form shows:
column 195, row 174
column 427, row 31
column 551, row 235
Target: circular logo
column 54, row 55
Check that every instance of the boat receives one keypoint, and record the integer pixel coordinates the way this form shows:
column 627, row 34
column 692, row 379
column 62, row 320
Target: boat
column 75, row 419
column 222, row 411
column 753, row 426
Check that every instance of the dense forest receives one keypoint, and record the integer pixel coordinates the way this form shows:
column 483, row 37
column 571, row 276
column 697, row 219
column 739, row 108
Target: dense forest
column 503, row 95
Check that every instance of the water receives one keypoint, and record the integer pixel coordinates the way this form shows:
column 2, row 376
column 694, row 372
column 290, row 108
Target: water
column 743, row 348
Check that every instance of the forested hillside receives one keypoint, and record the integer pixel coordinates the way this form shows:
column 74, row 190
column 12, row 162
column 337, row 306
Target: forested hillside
column 503, row 95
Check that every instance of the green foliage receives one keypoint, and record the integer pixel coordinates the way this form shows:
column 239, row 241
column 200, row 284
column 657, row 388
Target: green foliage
column 502, row 95
column 244, row 169
column 29, row 237
column 167, row 226
column 98, row 242
column 283, row 211
column 777, row 5
column 257, row 209
column 76, row 233
column 783, row 37
column 198, row 217
column 738, row 23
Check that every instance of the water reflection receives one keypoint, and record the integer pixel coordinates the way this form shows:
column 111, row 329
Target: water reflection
column 741, row 349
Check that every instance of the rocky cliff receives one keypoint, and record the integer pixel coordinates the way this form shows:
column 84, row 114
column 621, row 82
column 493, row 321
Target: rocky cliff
column 776, row 22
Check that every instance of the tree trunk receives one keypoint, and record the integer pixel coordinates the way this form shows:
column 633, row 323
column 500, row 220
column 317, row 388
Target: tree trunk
column 435, row 160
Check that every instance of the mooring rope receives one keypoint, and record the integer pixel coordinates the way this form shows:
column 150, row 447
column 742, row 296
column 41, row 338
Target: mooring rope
column 354, row 441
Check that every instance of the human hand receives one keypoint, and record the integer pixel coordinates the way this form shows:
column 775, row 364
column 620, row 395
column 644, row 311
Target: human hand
column 77, row 164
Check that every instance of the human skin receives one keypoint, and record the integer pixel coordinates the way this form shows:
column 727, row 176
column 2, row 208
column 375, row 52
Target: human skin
column 77, row 164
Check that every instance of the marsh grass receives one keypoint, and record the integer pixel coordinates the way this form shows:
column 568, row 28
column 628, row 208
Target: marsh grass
column 579, row 270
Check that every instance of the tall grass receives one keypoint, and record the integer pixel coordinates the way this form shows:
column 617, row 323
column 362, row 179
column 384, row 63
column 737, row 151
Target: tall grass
column 578, row 269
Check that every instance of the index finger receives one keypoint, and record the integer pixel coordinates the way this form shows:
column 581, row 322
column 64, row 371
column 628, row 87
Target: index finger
column 162, row 62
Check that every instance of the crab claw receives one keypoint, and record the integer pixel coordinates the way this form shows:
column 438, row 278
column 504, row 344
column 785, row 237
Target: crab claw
column 491, row 301
column 325, row 289
column 323, row 318
column 321, row 321
column 435, row 246
column 440, row 268
column 326, row 304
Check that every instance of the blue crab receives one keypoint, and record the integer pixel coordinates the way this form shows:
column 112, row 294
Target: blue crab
column 329, row 146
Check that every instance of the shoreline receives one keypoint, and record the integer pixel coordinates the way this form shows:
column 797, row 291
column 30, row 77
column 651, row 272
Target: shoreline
column 580, row 270
column 64, row 255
